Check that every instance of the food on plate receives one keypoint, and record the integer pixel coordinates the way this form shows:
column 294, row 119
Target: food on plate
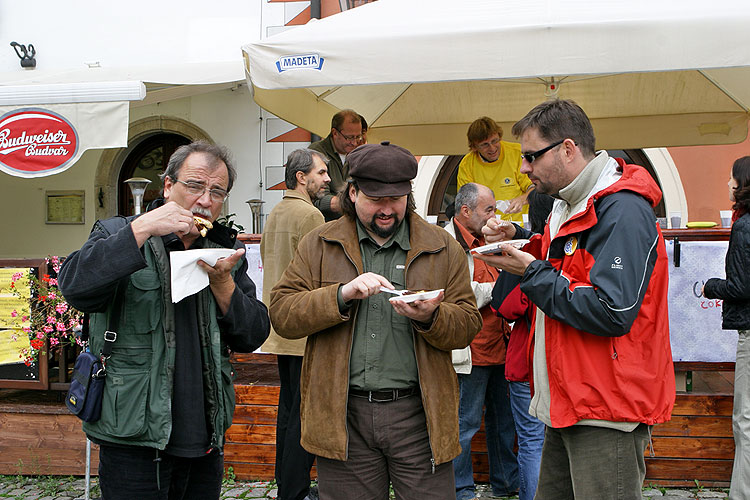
column 412, row 295
column 493, row 248
column 202, row 224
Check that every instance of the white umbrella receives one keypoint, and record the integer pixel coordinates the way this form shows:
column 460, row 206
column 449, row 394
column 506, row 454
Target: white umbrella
column 648, row 73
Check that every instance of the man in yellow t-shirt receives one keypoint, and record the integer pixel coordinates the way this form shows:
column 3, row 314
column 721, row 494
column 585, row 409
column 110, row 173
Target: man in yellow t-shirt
column 496, row 164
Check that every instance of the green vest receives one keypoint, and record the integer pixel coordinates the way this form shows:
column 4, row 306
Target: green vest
column 136, row 408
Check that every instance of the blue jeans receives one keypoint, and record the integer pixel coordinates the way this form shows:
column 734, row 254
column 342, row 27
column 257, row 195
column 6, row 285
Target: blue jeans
column 530, row 432
column 486, row 387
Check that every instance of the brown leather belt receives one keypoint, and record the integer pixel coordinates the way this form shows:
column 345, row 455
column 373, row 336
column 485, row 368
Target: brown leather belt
column 384, row 396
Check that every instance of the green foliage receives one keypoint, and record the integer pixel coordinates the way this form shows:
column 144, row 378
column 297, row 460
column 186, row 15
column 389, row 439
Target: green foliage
column 229, row 476
column 228, row 220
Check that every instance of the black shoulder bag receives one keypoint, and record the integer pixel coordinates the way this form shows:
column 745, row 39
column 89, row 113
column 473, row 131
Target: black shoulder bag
column 84, row 398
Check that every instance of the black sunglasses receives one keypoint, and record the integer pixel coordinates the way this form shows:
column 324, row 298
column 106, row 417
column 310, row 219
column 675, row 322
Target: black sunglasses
column 530, row 157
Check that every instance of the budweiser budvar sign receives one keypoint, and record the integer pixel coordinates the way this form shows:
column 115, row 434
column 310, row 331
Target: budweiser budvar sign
column 36, row 142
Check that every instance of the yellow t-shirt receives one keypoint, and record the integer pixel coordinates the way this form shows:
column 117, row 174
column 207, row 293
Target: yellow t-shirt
column 503, row 175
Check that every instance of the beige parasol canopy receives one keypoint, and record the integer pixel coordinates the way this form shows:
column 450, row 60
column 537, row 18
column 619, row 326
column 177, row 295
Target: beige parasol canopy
column 647, row 73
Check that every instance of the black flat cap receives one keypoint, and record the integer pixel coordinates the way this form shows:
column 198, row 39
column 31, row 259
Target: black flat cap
column 382, row 169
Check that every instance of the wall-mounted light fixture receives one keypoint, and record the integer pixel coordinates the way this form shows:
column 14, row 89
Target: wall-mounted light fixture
column 25, row 54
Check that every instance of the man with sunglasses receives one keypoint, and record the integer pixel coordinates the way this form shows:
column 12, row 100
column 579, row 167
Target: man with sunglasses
column 496, row 164
column 168, row 395
column 346, row 134
column 602, row 361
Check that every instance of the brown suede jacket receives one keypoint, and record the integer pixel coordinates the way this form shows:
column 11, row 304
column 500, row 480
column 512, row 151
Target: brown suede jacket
column 304, row 304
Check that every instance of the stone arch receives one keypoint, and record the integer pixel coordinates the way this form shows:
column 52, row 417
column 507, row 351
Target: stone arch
column 111, row 160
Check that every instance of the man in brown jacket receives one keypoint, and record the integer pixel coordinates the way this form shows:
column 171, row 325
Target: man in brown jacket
column 379, row 394
column 306, row 177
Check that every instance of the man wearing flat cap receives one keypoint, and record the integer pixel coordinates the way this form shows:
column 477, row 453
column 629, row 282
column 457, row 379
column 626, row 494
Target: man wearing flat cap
column 379, row 395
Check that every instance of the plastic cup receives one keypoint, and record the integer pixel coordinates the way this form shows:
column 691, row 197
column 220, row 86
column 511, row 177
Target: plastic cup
column 726, row 218
column 525, row 218
column 662, row 222
column 675, row 220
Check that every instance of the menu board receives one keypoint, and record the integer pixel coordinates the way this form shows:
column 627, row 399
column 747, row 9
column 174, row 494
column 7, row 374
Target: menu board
column 14, row 312
column 65, row 207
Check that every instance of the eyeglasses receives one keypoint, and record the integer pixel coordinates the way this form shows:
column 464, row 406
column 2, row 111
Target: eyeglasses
column 197, row 189
column 488, row 144
column 530, row 157
column 350, row 138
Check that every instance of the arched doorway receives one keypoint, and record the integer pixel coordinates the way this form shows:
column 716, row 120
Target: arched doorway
column 445, row 186
column 148, row 159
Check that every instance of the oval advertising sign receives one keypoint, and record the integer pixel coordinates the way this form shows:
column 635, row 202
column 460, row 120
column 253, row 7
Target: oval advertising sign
column 36, row 142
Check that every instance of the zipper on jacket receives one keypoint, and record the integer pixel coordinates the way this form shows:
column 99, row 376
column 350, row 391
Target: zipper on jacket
column 419, row 378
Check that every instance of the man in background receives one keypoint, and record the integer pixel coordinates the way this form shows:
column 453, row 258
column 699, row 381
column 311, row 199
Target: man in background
column 306, row 176
column 496, row 164
column 346, row 134
column 481, row 377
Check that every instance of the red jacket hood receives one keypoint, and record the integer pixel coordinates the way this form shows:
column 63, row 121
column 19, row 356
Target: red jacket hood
column 634, row 178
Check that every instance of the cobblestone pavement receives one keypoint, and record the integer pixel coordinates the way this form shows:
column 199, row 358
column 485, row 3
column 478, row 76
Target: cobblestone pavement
column 73, row 488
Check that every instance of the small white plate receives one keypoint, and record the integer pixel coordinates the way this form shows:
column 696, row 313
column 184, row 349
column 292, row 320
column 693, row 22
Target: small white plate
column 431, row 294
column 495, row 247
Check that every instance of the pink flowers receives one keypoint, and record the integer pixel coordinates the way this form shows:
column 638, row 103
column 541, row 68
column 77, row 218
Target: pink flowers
column 48, row 320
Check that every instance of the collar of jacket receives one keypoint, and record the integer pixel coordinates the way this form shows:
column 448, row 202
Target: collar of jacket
column 293, row 193
column 219, row 234
column 634, row 178
column 422, row 237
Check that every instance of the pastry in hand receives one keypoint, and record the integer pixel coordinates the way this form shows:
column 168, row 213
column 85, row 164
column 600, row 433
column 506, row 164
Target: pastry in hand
column 202, row 224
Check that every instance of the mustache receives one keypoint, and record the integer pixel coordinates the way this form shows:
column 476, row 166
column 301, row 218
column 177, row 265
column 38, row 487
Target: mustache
column 204, row 212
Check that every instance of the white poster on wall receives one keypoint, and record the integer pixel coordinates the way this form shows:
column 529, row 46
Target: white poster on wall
column 255, row 267
column 695, row 321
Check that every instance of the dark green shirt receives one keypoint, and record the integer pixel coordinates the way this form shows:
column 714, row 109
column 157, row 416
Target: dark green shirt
column 383, row 349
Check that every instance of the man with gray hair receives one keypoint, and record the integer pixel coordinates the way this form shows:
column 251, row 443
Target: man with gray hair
column 168, row 397
column 306, row 176
column 481, row 366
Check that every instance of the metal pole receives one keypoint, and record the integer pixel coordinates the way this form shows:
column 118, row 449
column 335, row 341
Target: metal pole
column 88, row 469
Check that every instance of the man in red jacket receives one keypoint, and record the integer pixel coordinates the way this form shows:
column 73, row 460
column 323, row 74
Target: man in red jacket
column 602, row 362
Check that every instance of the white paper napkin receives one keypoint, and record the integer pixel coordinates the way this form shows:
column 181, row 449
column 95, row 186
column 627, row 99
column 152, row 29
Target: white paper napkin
column 187, row 277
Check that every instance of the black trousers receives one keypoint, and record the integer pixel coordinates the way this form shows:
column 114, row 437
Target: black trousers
column 293, row 463
column 135, row 473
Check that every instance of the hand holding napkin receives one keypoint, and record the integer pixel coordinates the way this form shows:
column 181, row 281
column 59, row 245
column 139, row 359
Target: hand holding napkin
column 187, row 277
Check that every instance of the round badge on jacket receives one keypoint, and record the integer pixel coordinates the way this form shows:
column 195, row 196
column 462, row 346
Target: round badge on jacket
column 571, row 245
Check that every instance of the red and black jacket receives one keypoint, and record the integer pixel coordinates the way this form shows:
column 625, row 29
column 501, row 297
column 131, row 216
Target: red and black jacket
column 602, row 285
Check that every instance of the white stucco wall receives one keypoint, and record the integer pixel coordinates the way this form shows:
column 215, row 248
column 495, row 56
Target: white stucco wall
column 68, row 35
column 229, row 117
